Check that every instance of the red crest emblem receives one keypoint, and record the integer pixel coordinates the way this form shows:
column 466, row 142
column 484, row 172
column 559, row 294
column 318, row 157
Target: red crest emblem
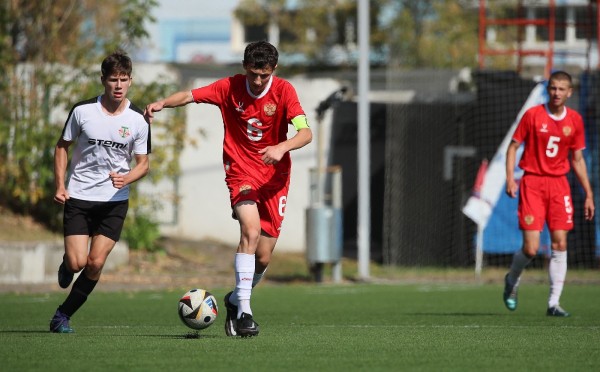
column 269, row 109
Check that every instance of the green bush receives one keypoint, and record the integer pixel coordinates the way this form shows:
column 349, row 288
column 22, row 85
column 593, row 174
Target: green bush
column 141, row 233
column 43, row 73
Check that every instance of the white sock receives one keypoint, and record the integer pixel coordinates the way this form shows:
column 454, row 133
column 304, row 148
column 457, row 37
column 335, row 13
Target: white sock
column 557, row 272
column 257, row 278
column 244, row 273
column 516, row 268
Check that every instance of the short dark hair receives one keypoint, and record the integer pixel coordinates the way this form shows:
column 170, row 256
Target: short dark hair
column 116, row 63
column 260, row 54
column 561, row 75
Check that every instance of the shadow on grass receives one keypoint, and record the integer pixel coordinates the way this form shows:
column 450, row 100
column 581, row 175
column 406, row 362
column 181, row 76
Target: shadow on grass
column 295, row 278
column 185, row 336
column 454, row 314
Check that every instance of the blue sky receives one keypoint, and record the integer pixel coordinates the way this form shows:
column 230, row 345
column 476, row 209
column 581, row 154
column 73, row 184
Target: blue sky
column 169, row 9
column 187, row 29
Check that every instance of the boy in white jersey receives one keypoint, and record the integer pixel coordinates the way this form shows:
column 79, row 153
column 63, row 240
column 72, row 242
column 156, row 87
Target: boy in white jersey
column 109, row 131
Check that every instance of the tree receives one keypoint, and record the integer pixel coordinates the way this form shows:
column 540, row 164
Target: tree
column 50, row 52
column 320, row 30
column 433, row 33
column 407, row 30
column 403, row 33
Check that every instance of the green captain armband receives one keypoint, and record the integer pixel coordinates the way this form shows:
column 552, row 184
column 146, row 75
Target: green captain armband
column 300, row 122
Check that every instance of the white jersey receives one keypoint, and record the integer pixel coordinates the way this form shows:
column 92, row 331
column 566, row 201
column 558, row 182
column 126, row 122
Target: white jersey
column 104, row 143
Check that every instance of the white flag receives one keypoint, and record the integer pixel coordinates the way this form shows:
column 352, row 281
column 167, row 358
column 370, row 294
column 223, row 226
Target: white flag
column 479, row 208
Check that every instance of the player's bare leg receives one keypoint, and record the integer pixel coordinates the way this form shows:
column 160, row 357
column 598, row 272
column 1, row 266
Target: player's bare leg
column 245, row 261
column 92, row 265
column 74, row 259
column 264, row 252
column 99, row 250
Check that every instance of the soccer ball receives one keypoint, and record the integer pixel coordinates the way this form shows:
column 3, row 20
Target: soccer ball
column 198, row 309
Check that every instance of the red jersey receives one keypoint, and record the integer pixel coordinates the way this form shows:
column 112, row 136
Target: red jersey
column 548, row 140
column 252, row 122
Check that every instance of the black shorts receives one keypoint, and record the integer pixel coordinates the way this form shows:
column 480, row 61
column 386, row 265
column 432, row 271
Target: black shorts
column 90, row 218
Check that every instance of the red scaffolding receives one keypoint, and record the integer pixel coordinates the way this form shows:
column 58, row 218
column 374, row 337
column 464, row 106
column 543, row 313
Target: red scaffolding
column 521, row 22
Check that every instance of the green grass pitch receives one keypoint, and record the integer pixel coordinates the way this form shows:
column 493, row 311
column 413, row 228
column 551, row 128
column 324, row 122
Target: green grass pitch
column 358, row 327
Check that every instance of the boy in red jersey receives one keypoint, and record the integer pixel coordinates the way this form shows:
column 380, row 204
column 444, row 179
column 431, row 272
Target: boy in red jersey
column 256, row 109
column 550, row 133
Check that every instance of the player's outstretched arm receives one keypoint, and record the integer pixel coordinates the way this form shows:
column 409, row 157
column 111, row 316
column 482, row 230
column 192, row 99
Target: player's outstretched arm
column 580, row 169
column 175, row 100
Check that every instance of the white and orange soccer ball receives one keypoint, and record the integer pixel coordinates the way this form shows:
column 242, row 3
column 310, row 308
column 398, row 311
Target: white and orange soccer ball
column 198, row 309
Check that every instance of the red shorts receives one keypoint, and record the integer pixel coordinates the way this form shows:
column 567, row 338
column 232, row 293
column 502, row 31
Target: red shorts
column 270, row 198
column 545, row 199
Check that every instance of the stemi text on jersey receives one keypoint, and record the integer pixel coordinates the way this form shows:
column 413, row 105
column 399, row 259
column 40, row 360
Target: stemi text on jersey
column 107, row 143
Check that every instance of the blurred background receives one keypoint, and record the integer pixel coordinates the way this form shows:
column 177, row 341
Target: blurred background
column 448, row 80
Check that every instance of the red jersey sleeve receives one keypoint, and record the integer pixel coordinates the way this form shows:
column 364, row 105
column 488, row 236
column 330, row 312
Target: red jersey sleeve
column 579, row 140
column 213, row 93
column 523, row 127
column 292, row 102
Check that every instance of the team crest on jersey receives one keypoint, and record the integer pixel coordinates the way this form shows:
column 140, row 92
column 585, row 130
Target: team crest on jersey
column 567, row 131
column 529, row 219
column 124, row 132
column 269, row 109
column 245, row 189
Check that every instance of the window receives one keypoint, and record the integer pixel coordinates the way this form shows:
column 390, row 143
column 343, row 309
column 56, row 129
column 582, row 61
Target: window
column 586, row 24
column 560, row 24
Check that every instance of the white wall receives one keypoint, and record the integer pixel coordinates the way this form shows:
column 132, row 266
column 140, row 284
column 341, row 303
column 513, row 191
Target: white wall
column 204, row 210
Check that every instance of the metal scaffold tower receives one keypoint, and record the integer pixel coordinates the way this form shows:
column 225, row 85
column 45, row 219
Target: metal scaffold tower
column 549, row 22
